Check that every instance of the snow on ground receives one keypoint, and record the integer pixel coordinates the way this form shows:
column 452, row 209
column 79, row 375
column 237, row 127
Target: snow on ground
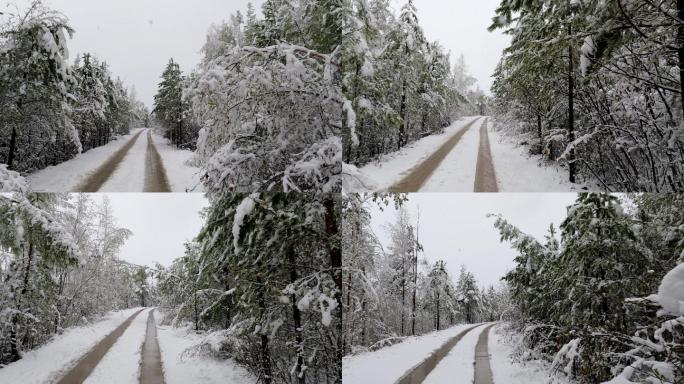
column 43, row 364
column 387, row 365
column 129, row 176
column 182, row 176
column 121, row 364
column 504, row 370
column 183, row 368
column 457, row 365
column 457, row 171
column 382, row 174
column 518, row 171
column 69, row 174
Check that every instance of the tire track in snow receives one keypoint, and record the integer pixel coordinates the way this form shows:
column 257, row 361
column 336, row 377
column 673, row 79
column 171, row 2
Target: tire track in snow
column 151, row 371
column 155, row 173
column 97, row 178
column 422, row 172
column 483, row 371
column 86, row 364
column 418, row 373
column 485, row 175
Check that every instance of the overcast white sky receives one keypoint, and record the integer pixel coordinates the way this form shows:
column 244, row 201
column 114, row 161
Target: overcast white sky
column 161, row 224
column 460, row 26
column 454, row 227
column 138, row 37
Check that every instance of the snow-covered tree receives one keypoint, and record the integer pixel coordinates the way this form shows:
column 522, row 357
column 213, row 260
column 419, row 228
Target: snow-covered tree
column 270, row 112
column 264, row 279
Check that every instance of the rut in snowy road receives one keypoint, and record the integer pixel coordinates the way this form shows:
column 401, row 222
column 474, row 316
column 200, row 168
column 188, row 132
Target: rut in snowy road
column 155, row 173
column 422, row 172
column 85, row 366
column 151, row 371
column 485, row 176
column 418, row 373
column 483, row 371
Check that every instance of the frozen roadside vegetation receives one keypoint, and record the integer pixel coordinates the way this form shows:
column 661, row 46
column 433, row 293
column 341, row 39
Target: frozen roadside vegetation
column 44, row 364
column 518, row 171
column 11, row 181
column 183, row 363
column 502, row 348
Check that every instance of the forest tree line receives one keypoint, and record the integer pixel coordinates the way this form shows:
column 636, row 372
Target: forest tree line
column 585, row 296
column 392, row 293
column 263, row 280
column 398, row 85
column 597, row 86
column 51, row 109
column 59, row 268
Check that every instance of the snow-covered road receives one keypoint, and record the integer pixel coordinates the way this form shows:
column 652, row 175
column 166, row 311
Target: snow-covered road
column 395, row 364
column 91, row 355
column 123, row 165
column 505, row 166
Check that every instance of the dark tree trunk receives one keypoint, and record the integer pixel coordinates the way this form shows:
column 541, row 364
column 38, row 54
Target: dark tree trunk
column 571, row 110
column 335, row 252
column 438, row 311
column 541, row 137
column 12, row 148
column 297, row 318
column 264, row 349
column 402, row 114
column 403, row 293
column 680, row 51
column 415, row 288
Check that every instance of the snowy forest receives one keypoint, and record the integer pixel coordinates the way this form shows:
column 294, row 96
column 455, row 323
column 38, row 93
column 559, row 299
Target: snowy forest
column 398, row 85
column 389, row 294
column 263, row 108
column 52, row 109
column 59, row 268
column 597, row 86
column 600, row 297
column 263, row 278
column 260, row 283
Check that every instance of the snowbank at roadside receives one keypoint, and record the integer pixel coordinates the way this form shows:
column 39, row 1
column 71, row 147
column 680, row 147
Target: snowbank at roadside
column 388, row 364
column 183, row 368
column 504, row 370
column 46, row 363
column 518, row 171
